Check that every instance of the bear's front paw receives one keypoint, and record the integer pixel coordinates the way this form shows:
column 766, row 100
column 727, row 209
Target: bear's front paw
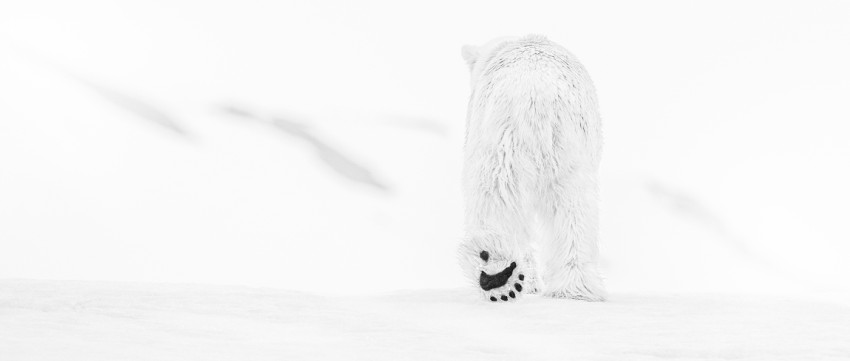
column 505, row 285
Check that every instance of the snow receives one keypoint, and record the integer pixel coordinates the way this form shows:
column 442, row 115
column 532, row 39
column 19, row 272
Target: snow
column 250, row 180
column 49, row 320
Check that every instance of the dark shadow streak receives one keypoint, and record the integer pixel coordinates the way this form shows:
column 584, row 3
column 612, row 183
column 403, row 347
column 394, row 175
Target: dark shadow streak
column 140, row 108
column 686, row 205
column 333, row 158
column 123, row 101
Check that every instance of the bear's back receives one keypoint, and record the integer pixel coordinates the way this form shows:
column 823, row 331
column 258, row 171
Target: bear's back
column 536, row 93
column 532, row 63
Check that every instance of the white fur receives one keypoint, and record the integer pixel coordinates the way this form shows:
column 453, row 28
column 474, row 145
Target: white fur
column 531, row 161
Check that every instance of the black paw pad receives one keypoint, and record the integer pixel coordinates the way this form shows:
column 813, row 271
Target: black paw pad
column 488, row 282
column 518, row 287
column 521, row 277
column 512, row 294
column 504, row 298
column 484, row 255
column 493, row 299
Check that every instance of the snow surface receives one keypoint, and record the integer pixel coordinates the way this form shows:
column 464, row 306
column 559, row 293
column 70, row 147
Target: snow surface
column 48, row 320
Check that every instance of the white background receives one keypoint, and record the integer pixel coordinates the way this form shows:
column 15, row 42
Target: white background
column 725, row 166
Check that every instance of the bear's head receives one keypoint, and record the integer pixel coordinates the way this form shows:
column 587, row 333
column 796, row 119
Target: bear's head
column 477, row 56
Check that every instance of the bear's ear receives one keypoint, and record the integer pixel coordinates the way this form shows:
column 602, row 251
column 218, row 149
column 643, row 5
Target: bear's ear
column 470, row 54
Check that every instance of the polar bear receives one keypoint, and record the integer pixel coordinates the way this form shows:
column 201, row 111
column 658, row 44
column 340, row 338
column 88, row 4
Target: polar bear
column 530, row 174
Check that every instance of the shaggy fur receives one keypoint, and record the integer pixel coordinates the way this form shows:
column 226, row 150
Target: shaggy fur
column 531, row 160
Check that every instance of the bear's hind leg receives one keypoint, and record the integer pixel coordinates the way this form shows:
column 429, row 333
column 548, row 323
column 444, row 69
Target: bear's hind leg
column 495, row 251
column 570, row 249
